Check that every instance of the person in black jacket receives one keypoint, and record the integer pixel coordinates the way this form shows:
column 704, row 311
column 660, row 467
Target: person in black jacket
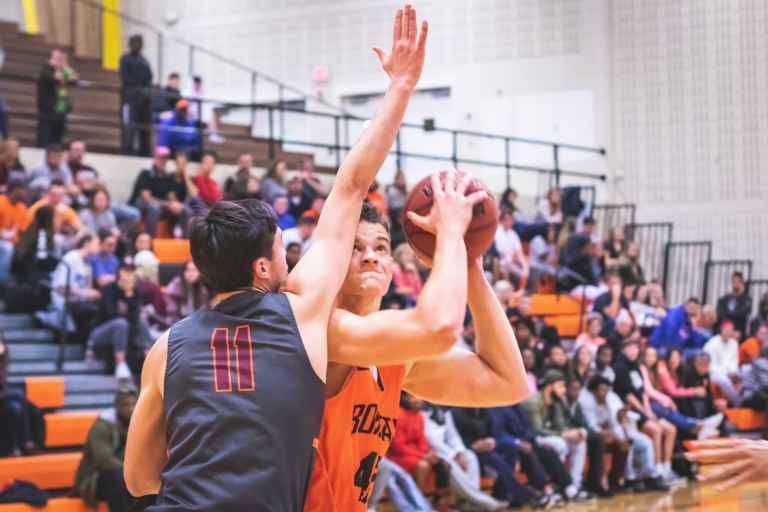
column 120, row 322
column 51, row 124
column 135, row 97
column 736, row 306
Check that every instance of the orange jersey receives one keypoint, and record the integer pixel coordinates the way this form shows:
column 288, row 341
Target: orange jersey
column 358, row 426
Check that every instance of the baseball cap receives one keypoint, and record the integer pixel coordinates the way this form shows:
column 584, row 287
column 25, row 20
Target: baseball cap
column 550, row 377
column 182, row 104
column 162, row 152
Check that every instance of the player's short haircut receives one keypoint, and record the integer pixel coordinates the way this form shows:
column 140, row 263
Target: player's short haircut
column 228, row 239
column 372, row 215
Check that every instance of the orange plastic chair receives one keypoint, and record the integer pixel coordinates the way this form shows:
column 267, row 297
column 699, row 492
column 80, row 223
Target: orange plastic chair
column 55, row 505
column 68, row 428
column 171, row 250
column 45, row 392
column 49, row 471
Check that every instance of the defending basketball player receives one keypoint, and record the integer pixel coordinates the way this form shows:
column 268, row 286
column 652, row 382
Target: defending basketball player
column 232, row 396
column 375, row 354
column 731, row 462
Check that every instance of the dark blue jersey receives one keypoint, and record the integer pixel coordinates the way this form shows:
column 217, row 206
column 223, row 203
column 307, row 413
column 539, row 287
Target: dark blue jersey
column 242, row 408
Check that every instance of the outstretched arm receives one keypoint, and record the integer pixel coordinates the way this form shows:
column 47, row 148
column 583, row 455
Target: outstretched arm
column 730, row 462
column 494, row 375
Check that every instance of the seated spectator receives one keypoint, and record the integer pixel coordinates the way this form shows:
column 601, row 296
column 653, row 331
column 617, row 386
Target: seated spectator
column 72, row 282
column 155, row 195
column 316, row 206
column 517, row 441
column 120, row 325
column 531, row 368
column 410, row 448
column 751, row 348
column 184, row 190
column 579, row 272
column 52, row 169
column 273, row 184
column 148, row 286
column 99, row 476
column 13, row 220
column 624, row 330
column 704, row 325
column 38, row 250
column 668, row 376
column 185, row 294
column 543, row 252
column 171, row 93
column 614, row 248
column 292, row 254
column 66, row 223
column 762, row 315
column 400, row 486
column 312, row 187
column 297, row 201
column 178, row 132
column 612, row 302
column 203, row 111
column 98, row 215
column 284, row 219
column 377, row 199
column 604, row 363
column 592, row 338
column 22, row 427
column 736, row 306
column 550, row 209
column 695, row 374
column 84, row 177
column 104, row 263
column 555, row 429
column 580, row 367
column 302, row 233
column 630, row 270
column 630, row 387
column 445, row 441
column 11, row 168
column 405, row 275
column 723, row 349
column 207, row 187
column 510, row 249
column 754, row 386
column 242, row 184
column 556, row 360
column 599, row 441
column 676, row 330
column 649, row 307
column 474, row 426
column 142, row 243
column 508, row 200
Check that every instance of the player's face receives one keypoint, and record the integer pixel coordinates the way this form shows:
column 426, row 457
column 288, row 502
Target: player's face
column 370, row 270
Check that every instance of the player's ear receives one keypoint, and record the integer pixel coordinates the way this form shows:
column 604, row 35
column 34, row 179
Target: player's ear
column 262, row 269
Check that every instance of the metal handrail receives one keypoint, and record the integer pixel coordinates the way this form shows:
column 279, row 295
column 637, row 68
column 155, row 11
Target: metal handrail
column 64, row 329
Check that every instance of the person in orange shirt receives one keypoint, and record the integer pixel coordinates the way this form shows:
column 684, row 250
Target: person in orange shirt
column 750, row 349
column 65, row 219
column 377, row 199
column 13, row 218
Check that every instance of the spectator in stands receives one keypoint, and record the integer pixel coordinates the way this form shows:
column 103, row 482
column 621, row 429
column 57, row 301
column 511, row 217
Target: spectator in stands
column 629, row 265
column 508, row 200
column 751, row 348
column 445, row 441
column 668, row 375
column 604, row 431
column 604, row 362
column 185, row 294
column 400, row 486
column 723, row 349
column 120, row 325
column 142, row 243
column 516, row 440
column 510, row 249
column 676, row 330
column 184, row 190
column 312, row 187
column 302, row 233
column 624, row 329
column 736, row 306
column 555, row 429
column 579, row 272
column 273, row 184
column 37, row 252
column 51, row 114
column 531, row 368
column 242, row 184
column 208, row 189
column 592, row 338
column 405, row 276
column 172, row 91
column 297, row 201
column 135, row 81
column 99, row 216
column 762, row 315
column 13, row 220
column 292, row 254
column 704, row 325
column 543, row 252
column 51, row 169
column 580, row 367
column 11, row 168
column 284, row 218
column 84, row 177
column 155, row 193
column 649, row 307
column 203, row 110
column 629, row 385
column 550, row 208
column 696, row 375
column 100, row 473
column 612, row 302
column 66, row 223
column 377, row 199
column 179, row 133
column 614, row 248
column 754, row 386
column 396, row 193
column 104, row 263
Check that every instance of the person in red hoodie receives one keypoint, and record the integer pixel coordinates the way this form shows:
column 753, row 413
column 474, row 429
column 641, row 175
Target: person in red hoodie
column 208, row 190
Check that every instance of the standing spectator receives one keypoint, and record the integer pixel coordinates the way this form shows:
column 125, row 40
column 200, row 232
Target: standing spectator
column 13, row 220
column 302, row 233
column 510, row 248
column 104, row 263
column 100, row 473
column 11, row 168
column 51, row 121
column 242, row 184
column 154, row 194
column 66, row 223
column 171, row 91
column 754, row 388
column 185, row 294
column 135, row 81
column 52, row 169
column 554, row 429
column 592, row 337
column 550, row 208
column 405, row 275
column 762, row 315
column 120, row 324
column 723, row 349
column 736, row 306
column 180, row 133
column 750, row 349
column 284, row 218
column 629, row 265
column 207, row 188
column 464, row 465
column 273, row 184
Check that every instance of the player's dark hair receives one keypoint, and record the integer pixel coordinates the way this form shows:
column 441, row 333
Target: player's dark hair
column 228, row 239
column 372, row 215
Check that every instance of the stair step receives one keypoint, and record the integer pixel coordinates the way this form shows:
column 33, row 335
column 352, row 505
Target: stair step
column 44, row 352
column 79, row 383
column 16, row 321
column 49, row 368
column 29, row 336
column 89, row 400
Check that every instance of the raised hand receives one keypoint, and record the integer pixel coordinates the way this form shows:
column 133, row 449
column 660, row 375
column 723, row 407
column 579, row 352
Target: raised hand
column 405, row 62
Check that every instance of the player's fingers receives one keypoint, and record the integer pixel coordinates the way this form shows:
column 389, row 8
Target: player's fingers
column 380, row 54
column 477, row 197
column 423, row 37
column 412, row 26
column 437, row 186
column 464, row 181
column 737, row 480
column 450, row 181
column 398, row 30
column 420, row 221
column 715, row 456
column 719, row 443
column 724, row 471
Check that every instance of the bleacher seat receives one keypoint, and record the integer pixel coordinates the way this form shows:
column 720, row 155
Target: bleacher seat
column 568, row 326
column 45, row 392
column 171, row 251
column 49, row 471
column 551, row 304
column 68, row 428
column 55, row 505
column 748, row 419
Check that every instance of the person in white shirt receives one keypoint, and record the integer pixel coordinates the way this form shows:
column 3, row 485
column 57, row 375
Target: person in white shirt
column 445, row 440
column 302, row 233
column 510, row 249
column 723, row 350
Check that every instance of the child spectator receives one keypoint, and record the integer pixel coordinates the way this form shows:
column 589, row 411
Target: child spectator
column 592, row 338
column 185, row 294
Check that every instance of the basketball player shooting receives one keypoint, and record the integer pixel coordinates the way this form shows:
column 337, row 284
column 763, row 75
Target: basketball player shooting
column 731, row 462
column 375, row 354
column 232, row 396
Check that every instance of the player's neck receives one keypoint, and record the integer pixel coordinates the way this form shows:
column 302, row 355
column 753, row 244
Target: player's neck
column 360, row 304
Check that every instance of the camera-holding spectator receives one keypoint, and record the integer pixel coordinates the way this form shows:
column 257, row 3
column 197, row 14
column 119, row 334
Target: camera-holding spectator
column 751, row 348
column 580, row 367
column 630, row 270
column 614, row 248
column 185, row 294
column 156, row 195
column 178, row 132
column 445, row 440
column 135, row 81
column 302, row 233
column 242, row 184
column 556, row 429
column 52, row 99
column 52, row 169
column 723, row 349
column 11, row 168
column 592, row 337
column 510, row 249
column 207, row 188
column 736, row 306
column 292, row 254
column 100, row 473
column 405, row 276
column 13, row 219
column 754, row 385
column 66, row 223
column 284, row 218
column 550, row 208
column 104, row 263
column 273, row 183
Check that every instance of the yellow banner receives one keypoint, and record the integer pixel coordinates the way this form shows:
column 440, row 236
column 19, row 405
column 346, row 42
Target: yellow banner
column 32, row 25
column 110, row 29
